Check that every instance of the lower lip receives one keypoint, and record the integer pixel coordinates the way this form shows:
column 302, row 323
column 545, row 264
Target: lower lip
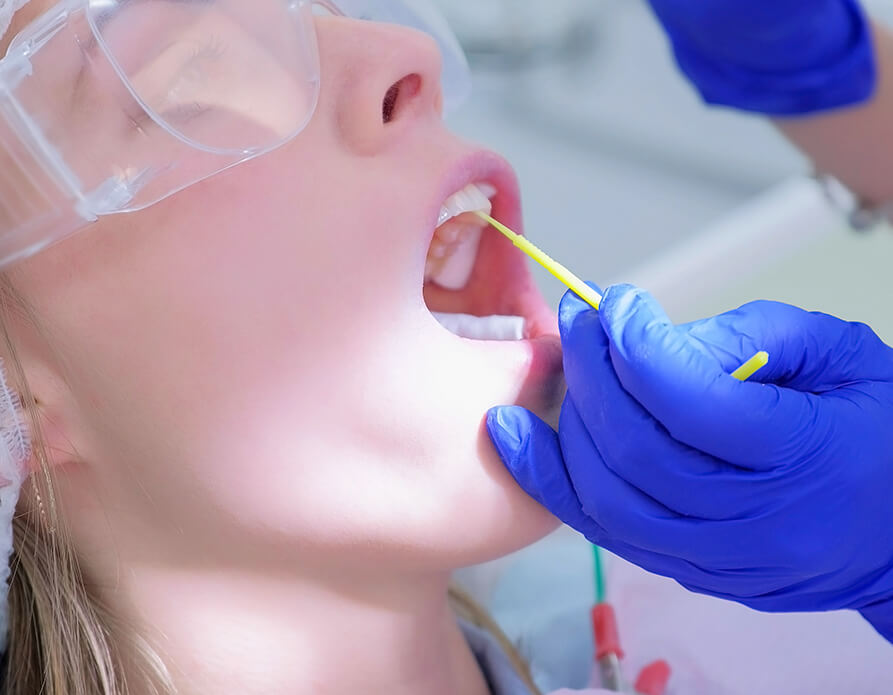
column 547, row 353
column 544, row 387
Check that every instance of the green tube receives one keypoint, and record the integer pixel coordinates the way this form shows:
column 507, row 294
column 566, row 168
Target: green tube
column 599, row 575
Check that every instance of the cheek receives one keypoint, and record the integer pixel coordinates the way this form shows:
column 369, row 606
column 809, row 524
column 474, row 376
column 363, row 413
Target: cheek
column 251, row 364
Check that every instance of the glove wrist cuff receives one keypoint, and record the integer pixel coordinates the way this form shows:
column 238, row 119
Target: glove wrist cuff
column 880, row 615
column 849, row 79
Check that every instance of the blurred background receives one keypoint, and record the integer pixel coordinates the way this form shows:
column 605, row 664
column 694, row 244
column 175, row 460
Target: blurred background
column 627, row 176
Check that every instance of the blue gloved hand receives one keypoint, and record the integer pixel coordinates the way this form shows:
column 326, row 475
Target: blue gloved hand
column 779, row 57
column 778, row 495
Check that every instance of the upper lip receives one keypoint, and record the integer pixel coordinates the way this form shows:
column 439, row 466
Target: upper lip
column 478, row 167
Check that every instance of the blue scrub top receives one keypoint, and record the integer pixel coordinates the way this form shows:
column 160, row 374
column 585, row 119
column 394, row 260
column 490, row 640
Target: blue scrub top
column 497, row 669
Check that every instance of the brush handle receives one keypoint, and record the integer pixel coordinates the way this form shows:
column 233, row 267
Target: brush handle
column 752, row 366
column 571, row 281
column 589, row 295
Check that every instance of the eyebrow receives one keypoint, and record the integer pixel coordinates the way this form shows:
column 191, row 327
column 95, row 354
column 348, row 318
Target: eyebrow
column 90, row 49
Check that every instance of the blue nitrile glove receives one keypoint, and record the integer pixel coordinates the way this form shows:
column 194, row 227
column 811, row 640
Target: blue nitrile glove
column 778, row 495
column 779, row 57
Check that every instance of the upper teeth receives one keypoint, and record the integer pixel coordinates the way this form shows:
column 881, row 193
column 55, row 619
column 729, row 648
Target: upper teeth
column 455, row 245
column 472, row 198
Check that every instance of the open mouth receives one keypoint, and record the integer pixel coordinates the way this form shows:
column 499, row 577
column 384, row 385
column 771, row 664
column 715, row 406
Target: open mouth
column 477, row 284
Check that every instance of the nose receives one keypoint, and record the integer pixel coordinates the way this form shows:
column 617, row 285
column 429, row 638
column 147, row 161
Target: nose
column 378, row 80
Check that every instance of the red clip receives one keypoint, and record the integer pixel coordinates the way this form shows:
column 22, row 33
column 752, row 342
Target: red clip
column 607, row 637
column 654, row 678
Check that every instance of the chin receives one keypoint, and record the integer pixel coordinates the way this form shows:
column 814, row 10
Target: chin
column 479, row 335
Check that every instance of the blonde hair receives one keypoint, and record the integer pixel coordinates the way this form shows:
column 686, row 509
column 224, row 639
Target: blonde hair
column 467, row 608
column 62, row 639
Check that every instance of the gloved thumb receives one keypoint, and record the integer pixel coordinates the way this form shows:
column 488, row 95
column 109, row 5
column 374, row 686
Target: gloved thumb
column 531, row 451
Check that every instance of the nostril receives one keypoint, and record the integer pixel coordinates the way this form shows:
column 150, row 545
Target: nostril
column 399, row 94
column 390, row 103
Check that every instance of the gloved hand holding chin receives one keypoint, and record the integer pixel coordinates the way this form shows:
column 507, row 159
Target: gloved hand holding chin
column 778, row 494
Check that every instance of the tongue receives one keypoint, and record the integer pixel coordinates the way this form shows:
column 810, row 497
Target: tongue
column 483, row 327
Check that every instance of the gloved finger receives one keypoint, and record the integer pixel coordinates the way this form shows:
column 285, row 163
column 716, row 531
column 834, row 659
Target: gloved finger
column 571, row 481
column 626, row 513
column 758, row 581
column 755, row 587
column 687, row 390
column 531, row 451
column 637, row 447
column 808, row 351
column 656, row 563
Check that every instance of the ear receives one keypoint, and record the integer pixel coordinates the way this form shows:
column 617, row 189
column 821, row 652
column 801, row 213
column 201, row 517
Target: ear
column 34, row 370
column 47, row 415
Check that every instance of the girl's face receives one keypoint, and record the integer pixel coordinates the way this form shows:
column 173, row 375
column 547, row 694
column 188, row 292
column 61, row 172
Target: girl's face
column 251, row 368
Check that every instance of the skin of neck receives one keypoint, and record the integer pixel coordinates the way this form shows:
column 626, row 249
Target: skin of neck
column 259, row 633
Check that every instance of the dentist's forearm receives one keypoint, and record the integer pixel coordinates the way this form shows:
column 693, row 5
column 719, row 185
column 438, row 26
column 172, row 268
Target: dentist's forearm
column 855, row 144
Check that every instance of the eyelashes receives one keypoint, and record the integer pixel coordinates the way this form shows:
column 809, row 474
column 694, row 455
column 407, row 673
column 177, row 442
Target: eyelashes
column 210, row 51
column 201, row 66
column 184, row 113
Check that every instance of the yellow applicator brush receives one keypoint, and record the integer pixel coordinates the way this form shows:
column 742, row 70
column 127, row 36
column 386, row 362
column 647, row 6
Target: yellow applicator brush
column 580, row 288
column 589, row 295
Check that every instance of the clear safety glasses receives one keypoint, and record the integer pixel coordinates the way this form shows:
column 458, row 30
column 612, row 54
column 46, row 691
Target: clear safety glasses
column 109, row 106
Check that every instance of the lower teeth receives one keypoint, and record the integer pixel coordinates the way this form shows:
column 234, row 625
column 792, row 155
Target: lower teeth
column 483, row 327
column 451, row 266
